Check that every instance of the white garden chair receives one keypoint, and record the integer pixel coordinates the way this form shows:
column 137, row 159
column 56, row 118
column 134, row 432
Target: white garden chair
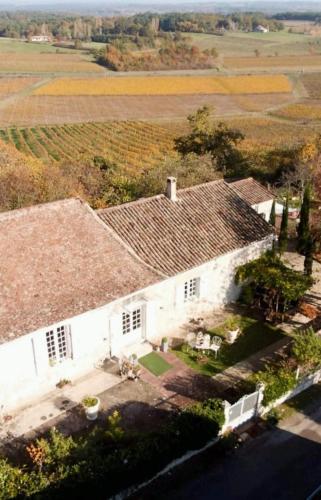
column 216, row 345
column 207, row 341
column 199, row 340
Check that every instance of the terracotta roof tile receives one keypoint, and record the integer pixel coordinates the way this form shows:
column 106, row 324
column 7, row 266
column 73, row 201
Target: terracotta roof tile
column 59, row 260
column 205, row 222
column 251, row 191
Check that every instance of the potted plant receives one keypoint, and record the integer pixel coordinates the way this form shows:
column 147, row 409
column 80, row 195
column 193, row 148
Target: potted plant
column 91, row 405
column 231, row 335
column 164, row 344
column 133, row 359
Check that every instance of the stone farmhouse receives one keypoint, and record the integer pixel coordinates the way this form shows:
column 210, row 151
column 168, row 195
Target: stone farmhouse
column 79, row 286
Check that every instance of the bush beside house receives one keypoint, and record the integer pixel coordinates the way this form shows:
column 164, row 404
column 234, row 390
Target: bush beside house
column 107, row 461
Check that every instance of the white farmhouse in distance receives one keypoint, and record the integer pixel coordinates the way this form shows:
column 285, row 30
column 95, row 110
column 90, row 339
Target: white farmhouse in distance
column 261, row 29
column 79, row 286
column 40, row 38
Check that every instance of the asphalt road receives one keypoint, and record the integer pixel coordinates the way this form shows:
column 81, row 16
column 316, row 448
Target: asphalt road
column 284, row 463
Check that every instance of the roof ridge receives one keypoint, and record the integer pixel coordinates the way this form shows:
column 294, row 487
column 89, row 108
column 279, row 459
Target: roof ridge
column 157, row 196
column 20, row 212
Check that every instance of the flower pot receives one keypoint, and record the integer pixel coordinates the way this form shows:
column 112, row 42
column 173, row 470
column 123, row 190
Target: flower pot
column 231, row 336
column 164, row 346
column 92, row 411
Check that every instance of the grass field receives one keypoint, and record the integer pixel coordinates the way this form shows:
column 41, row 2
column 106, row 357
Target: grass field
column 167, row 85
column 282, row 62
column 11, row 45
column 244, row 44
column 130, row 144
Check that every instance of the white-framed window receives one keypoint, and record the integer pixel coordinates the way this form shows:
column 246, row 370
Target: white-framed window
column 191, row 289
column 58, row 343
column 131, row 321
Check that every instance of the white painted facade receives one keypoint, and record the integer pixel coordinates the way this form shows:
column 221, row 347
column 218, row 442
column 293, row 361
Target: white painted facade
column 264, row 209
column 26, row 371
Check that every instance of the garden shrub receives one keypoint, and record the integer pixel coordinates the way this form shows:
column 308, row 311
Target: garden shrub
column 307, row 348
column 104, row 462
column 276, row 381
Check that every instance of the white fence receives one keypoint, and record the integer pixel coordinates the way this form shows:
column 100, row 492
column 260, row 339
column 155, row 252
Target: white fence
column 250, row 406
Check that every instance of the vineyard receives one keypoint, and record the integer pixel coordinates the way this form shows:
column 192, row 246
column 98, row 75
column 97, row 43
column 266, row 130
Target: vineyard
column 267, row 134
column 46, row 63
column 301, row 111
column 166, row 85
column 275, row 61
column 132, row 145
column 312, row 83
column 9, row 86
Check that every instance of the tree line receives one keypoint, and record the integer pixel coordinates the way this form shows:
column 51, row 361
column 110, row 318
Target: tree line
column 98, row 28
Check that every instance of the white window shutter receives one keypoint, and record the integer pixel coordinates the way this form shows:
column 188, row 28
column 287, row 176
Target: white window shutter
column 115, row 325
column 150, row 326
column 179, row 295
column 70, row 351
column 115, row 333
column 203, row 287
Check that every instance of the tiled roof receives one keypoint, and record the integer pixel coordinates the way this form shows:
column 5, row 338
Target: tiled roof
column 206, row 221
column 251, row 191
column 59, row 260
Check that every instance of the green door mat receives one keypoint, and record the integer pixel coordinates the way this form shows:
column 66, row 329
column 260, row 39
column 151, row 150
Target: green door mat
column 155, row 363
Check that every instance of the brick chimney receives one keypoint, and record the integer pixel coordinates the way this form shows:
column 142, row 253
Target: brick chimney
column 171, row 188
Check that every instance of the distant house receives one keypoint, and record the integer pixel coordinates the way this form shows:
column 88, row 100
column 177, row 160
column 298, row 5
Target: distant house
column 40, row 38
column 261, row 29
column 79, row 286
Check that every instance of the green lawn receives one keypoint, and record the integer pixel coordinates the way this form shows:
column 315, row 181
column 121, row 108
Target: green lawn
column 9, row 45
column 155, row 363
column 256, row 335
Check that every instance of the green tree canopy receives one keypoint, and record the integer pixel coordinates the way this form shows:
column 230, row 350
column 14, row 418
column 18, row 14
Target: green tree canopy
column 273, row 284
column 219, row 141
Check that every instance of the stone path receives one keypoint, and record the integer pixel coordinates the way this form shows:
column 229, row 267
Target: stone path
column 56, row 403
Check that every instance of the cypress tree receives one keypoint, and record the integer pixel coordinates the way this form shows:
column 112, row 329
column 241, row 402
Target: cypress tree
column 283, row 237
column 272, row 214
column 303, row 227
column 308, row 260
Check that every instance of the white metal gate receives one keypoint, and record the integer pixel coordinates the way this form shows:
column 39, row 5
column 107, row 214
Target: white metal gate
column 241, row 411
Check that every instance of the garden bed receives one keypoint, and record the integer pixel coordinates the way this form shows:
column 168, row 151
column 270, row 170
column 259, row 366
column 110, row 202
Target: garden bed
column 255, row 336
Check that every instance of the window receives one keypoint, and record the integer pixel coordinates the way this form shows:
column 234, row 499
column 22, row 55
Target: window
column 190, row 289
column 57, row 344
column 131, row 321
